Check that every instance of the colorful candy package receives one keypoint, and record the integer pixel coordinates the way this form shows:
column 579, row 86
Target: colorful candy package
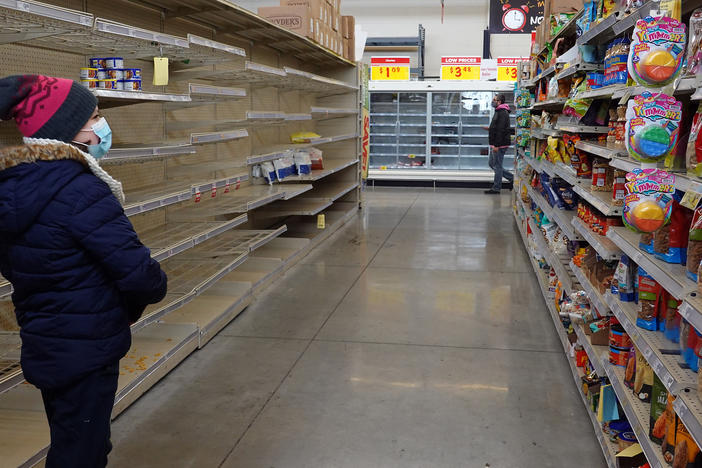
column 652, row 126
column 693, row 154
column 649, row 297
column 674, row 236
column 649, row 200
column 657, row 51
column 694, row 45
column 694, row 245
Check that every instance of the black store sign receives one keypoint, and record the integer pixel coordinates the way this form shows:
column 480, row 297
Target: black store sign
column 515, row 16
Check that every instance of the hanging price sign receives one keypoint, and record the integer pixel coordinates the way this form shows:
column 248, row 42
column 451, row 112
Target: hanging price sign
column 460, row 68
column 390, row 68
column 507, row 68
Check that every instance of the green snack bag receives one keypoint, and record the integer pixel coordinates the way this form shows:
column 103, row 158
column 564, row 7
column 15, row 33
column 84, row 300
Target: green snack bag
column 659, row 416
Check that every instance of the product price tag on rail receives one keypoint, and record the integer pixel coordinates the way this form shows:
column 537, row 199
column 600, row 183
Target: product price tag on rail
column 390, row 69
column 691, row 199
column 507, row 68
column 460, row 68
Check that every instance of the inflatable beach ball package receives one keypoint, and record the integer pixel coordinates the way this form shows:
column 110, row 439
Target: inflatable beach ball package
column 652, row 126
column 649, row 199
column 657, row 51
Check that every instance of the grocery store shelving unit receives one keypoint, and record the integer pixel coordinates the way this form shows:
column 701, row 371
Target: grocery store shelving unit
column 185, row 153
column 431, row 131
column 522, row 216
column 662, row 354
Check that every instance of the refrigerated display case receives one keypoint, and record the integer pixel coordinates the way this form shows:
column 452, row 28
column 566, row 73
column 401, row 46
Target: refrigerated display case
column 433, row 130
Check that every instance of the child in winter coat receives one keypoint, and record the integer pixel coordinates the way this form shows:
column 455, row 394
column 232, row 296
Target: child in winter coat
column 79, row 272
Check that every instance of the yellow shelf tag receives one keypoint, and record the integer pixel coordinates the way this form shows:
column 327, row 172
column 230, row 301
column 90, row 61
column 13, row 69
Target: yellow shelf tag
column 160, row 71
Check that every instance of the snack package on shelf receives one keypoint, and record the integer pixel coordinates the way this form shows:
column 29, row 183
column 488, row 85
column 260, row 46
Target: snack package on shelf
column 657, row 51
column 616, row 63
column 690, row 344
column 303, row 137
column 693, row 153
column 649, row 200
column 652, row 126
column 303, row 162
column 646, row 242
column 643, row 382
column 687, row 453
column 623, row 283
column 268, row 172
column 602, row 176
column 650, row 293
column 668, row 445
column 619, row 187
column 658, row 420
column 284, row 167
column 694, row 44
column 671, row 9
column 630, row 371
column 694, row 245
column 671, row 241
column 671, row 325
column 316, row 159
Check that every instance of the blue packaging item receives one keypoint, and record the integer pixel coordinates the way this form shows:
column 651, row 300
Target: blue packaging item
column 648, row 248
column 268, row 171
column 688, row 337
column 624, row 276
column 650, row 293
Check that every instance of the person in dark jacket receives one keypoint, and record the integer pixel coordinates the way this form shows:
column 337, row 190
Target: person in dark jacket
column 500, row 138
column 79, row 272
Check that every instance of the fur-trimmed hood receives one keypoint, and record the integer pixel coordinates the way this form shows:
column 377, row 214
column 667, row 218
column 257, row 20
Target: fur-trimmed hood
column 26, row 187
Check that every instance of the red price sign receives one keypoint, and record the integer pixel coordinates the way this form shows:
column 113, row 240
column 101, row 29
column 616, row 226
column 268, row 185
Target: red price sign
column 390, row 68
column 507, row 68
column 460, row 68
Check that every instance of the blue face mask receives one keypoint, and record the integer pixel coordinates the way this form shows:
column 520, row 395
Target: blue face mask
column 104, row 132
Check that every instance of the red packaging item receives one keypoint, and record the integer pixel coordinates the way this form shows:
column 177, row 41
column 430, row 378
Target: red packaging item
column 673, row 238
column 580, row 358
column 619, row 189
column 316, row 159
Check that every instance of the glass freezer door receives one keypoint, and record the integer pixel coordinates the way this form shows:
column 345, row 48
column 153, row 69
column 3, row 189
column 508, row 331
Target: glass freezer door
column 384, row 130
column 412, row 125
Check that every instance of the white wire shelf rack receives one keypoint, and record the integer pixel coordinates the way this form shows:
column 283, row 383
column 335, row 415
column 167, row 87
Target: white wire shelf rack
column 602, row 245
column 62, row 29
column 595, row 297
column 239, row 201
column 174, row 238
column 671, row 276
column 120, row 154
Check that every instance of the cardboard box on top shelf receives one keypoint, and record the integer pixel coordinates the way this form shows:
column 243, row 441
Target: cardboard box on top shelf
column 317, row 6
column 348, row 26
column 553, row 7
column 350, row 49
column 295, row 18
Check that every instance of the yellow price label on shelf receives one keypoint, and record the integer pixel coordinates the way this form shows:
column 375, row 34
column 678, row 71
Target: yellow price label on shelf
column 411, row 156
column 383, row 168
column 460, row 68
column 390, row 69
column 321, row 221
column 507, row 68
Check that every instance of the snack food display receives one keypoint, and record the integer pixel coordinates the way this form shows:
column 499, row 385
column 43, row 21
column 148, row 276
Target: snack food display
column 657, row 51
column 693, row 153
column 652, row 126
column 694, row 45
column 648, row 203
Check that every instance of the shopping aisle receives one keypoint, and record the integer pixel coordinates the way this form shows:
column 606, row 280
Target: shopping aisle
column 414, row 337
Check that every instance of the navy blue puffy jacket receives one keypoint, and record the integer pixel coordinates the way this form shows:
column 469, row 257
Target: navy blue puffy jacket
column 79, row 272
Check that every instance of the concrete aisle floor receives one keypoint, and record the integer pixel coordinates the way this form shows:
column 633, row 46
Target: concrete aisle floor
column 414, row 337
